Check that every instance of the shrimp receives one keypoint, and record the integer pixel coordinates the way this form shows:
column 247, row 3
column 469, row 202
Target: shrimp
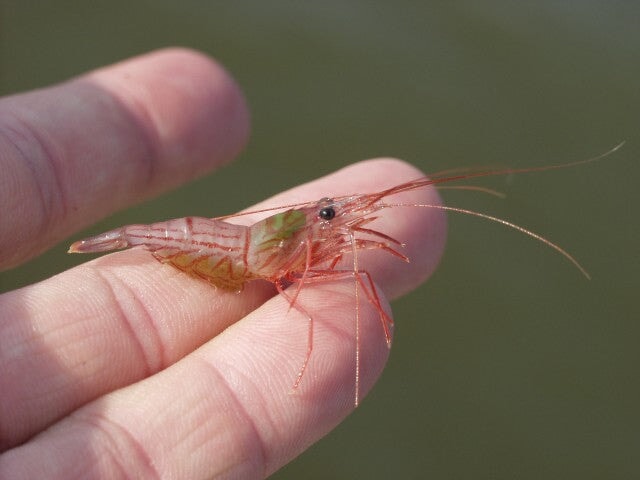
column 301, row 245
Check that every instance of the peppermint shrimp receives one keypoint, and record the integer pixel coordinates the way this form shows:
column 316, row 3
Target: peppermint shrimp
column 300, row 245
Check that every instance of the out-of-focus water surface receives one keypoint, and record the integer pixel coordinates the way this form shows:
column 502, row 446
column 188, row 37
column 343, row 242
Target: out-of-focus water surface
column 507, row 363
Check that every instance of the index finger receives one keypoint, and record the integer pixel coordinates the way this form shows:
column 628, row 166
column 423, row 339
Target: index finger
column 123, row 317
column 75, row 152
column 226, row 407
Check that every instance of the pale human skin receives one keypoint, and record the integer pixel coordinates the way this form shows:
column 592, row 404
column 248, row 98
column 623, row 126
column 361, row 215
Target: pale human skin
column 124, row 367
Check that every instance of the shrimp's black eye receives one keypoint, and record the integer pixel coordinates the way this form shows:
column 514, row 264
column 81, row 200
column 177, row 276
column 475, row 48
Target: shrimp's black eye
column 327, row 213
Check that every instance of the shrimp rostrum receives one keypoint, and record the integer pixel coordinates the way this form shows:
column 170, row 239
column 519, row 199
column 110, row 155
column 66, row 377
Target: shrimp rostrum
column 297, row 245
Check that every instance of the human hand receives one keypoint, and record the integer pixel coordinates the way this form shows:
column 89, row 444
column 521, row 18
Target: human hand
column 125, row 367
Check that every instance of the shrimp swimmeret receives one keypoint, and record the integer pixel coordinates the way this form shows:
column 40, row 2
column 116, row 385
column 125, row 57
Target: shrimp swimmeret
column 301, row 245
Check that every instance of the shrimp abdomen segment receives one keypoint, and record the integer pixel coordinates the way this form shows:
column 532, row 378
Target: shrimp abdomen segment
column 207, row 248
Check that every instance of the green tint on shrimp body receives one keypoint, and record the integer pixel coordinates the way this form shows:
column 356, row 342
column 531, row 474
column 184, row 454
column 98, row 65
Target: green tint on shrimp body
column 274, row 231
column 276, row 244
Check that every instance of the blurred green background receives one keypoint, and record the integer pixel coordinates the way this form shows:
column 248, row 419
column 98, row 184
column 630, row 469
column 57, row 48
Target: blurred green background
column 507, row 364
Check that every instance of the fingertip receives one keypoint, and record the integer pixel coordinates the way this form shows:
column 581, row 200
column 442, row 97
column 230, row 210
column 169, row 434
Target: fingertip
column 418, row 224
column 78, row 151
column 195, row 108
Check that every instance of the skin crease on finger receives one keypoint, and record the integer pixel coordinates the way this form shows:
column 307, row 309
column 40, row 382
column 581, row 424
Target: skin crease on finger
column 280, row 425
column 75, row 152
